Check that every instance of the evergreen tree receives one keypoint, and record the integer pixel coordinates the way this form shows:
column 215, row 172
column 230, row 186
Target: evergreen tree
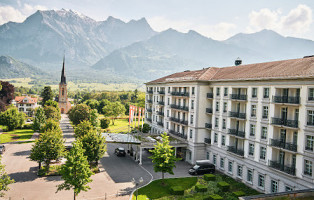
column 95, row 146
column 76, row 172
column 163, row 156
column 46, row 94
column 40, row 119
column 5, row 179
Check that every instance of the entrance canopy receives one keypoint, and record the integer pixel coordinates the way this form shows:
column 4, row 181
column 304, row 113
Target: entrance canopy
column 121, row 138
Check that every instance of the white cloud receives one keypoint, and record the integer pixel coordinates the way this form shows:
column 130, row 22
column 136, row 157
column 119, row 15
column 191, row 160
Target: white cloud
column 298, row 20
column 9, row 13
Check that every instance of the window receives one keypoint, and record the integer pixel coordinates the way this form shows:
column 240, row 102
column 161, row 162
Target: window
column 28, row 105
column 310, row 117
column 191, row 119
column 167, row 113
column 191, row 133
column 167, row 125
column 192, row 104
column 288, row 188
column 230, row 165
column 216, row 122
column 239, row 172
column 223, row 140
column 223, row 123
column 311, row 94
column 266, row 92
column 274, row 186
column 252, row 130
column 253, row 111
column 193, row 90
column 214, row 159
column 215, row 138
column 168, row 101
column 262, row 154
column 190, row 155
column 265, row 112
column 217, row 106
column 168, row 89
column 62, row 91
column 222, row 163
column 308, row 167
column 225, row 91
column 254, row 92
column 264, row 133
column 207, row 155
column 309, row 142
column 251, row 149
column 217, row 92
column 225, row 107
column 261, row 181
column 21, row 109
column 249, row 176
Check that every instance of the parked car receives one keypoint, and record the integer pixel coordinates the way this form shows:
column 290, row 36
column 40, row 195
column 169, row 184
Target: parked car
column 120, row 151
column 202, row 167
column 2, row 149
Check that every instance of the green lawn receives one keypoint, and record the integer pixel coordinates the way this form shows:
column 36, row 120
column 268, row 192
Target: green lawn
column 120, row 125
column 16, row 135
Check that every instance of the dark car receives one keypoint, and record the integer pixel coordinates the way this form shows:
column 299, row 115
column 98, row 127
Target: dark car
column 202, row 167
column 2, row 149
column 120, row 151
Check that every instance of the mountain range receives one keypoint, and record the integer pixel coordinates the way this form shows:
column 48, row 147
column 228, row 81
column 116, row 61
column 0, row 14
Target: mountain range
column 133, row 50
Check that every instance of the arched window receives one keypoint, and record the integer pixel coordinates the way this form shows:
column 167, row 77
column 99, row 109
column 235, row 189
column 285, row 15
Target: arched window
column 62, row 91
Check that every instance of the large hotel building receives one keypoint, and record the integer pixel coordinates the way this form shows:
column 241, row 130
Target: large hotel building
column 254, row 122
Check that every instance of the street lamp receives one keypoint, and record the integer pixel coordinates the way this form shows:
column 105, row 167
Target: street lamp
column 136, row 183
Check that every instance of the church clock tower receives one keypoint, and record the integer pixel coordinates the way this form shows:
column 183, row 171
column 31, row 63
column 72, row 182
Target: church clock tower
column 64, row 104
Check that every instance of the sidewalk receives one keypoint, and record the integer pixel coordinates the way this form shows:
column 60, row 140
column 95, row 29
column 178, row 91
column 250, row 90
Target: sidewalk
column 67, row 129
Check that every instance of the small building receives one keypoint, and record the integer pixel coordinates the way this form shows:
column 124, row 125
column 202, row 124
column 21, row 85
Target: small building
column 25, row 104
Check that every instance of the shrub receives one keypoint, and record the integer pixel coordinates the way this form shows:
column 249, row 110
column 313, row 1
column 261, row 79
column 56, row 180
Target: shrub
column 177, row 190
column 209, row 177
column 239, row 193
column 28, row 126
column 200, row 188
column 104, row 123
column 224, row 186
column 215, row 197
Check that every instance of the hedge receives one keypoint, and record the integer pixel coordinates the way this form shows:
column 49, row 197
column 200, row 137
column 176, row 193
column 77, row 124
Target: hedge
column 177, row 190
column 224, row 186
column 238, row 193
column 215, row 197
column 209, row 177
column 200, row 188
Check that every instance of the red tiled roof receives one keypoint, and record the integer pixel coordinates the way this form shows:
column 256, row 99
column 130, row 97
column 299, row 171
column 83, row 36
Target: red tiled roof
column 31, row 100
column 285, row 69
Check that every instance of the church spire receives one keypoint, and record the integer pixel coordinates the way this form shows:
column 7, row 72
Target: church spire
column 63, row 78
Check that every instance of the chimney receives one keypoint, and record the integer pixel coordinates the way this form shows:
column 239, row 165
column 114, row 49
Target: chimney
column 238, row 62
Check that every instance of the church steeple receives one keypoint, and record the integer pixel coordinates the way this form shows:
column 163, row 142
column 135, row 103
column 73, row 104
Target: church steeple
column 63, row 78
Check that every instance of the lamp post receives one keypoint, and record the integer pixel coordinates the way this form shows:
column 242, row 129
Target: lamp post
column 136, row 183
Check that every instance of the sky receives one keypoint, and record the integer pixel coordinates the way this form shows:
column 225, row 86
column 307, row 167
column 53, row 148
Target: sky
column 217, row 19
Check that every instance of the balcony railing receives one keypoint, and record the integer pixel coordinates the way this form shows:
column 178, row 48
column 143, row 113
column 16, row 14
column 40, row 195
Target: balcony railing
column 181, row 135
column 161, row 103
column 149, row 110
column 285, row 122
column 182, row 94
column 160, row 113
column 209, row 110
column 284, row 168
column 232, row 149
column 149, row 101
column 208, row 125
column 309, row 123
column 237, row 115
column 207, row 140
column 284, row 145
column 184, row 108
column 178, row 120
column 286, row 99
column 210, row 95
column 160, row 124
column 150, row 91
column 161, row 92
column 149, row 119
column 236, row 133
column 239, row 97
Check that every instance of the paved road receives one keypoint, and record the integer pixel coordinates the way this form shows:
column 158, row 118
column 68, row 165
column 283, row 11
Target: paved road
column 67, row 129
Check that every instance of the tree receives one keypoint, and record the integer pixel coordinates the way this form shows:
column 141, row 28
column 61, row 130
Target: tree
column 52, row 113
column 79, row 113
column 40, row 119
column 5, row 179
column 113, row 110
column 76, row 172
column 146, row 128
column 102, row 103
column 12, row 118
column 92, row 103
column 53, row 104
column 51, row 125
column 95, row 146
column 83, row 128
column 134, row 96
column 104, row 123
column 46, row 94
column 163, row 156
column 6, row 94
column 94, row 117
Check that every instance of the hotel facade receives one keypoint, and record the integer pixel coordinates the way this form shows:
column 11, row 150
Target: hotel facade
column 254, row 122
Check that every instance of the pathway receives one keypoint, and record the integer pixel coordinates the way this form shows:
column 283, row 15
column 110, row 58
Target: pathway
column 67, row 129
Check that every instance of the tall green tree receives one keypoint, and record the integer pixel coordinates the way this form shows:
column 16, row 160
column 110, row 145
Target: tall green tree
column 83, row 128
column 94, row 117
column 5, row 180
column 40, row 119
column 46, row 94
column 12, row 118
column 52, row 113
column 76, row 172
column 51, row 125
column 79, row 113
column 163, row 156
column 92, row 103
column 113, row 110
column 53, row 104
column 95, row 146
column 6, row 94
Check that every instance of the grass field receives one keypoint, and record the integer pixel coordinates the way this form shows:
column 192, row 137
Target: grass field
column 120, row 125
column 16, row 135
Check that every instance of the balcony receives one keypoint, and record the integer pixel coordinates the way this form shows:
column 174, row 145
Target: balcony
column 232, row 149
column 161, row 103
column 208, row 125
column 284, row 145
column 160, row 124
column 285, row 122
column 237, row 115
column 161, row 92
column 181, row 94
column 207, row 140
column 160, row 113
column 149, row 119
column 184, row 108
column 150, row 91
column 149, row 110
column 284, row 168
column 149, row 101
column 286, row 99
column 236, row 132
column 210, row 95
column 242, row 97
column 181, row 135
column 179, row 121
column 209, row 110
